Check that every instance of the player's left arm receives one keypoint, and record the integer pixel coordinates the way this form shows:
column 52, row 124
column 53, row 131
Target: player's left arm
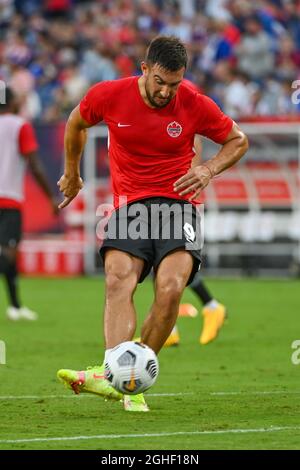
column 198, row 177
column 196, row 161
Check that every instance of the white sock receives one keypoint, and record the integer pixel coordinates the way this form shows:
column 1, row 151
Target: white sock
column 106, row 354
column 213, row 304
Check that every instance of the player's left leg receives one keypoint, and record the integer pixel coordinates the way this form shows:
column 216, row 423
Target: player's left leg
column 184, row 235
column 171, row 277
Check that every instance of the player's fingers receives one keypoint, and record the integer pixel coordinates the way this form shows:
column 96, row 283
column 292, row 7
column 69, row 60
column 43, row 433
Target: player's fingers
column 185, row 184
column 61, row 186
column 195, row 195
column 188, row 190
column 184, row 178
column 65, row 202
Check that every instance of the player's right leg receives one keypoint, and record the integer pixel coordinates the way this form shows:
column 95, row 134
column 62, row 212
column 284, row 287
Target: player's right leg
column 91, row 380
column 120, row 316
column 126, row 262
column 122, row 273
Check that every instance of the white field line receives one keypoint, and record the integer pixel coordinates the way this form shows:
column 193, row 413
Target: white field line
column 262, row 392
column 82, row 395
column 148, row 435
column 87, row 395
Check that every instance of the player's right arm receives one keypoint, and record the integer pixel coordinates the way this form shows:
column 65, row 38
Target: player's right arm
column 75, row 137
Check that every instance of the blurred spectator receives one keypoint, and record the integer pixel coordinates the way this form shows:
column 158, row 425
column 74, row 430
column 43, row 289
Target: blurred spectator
column 217, row 48
column 75, row 84
column 254, row 53
column 95, row 67
column 238, row 95
column 6, row 11
column 55, row 49
column 177, row 26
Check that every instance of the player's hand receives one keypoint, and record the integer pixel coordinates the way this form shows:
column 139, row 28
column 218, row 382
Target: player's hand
column 194, row 181
column 70, row 187
column 54, row 204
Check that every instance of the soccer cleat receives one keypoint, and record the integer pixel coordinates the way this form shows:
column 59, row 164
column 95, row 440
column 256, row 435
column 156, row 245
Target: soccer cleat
column 13, row 314
column 187, row 310
column 22, row 313
column 173, row 339
column 91, row 380
column 28, row 314
column 213, row 319
column 135, row 403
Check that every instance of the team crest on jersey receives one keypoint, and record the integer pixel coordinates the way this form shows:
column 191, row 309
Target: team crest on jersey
column 174, row 129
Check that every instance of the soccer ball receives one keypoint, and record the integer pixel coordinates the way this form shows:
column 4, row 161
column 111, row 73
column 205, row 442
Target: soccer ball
column 131, row 367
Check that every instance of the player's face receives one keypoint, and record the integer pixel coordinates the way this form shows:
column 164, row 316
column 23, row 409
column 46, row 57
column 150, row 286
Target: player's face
column 161, row 85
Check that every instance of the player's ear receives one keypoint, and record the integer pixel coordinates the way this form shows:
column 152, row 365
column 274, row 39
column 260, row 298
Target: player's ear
column 145, row 69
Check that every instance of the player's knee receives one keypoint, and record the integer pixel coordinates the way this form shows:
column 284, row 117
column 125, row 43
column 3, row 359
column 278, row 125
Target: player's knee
column 170, row 289
column 120, row 282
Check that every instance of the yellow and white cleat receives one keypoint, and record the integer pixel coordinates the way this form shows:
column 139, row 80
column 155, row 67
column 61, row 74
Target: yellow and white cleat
column 135, row 403
column 173, row 339
column 213, row 319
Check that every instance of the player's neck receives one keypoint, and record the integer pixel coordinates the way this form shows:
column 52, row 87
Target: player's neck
column 142, row 88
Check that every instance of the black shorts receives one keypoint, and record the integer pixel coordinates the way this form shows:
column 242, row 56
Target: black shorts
column 152, row 228
column 10, row 227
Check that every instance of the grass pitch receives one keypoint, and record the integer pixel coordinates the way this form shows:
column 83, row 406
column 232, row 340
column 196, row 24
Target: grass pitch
column 240, row 392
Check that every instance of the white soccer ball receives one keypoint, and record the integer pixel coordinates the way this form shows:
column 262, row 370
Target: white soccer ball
column 131, row 367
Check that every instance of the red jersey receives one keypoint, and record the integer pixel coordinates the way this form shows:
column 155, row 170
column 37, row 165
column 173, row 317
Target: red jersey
column 149, row 149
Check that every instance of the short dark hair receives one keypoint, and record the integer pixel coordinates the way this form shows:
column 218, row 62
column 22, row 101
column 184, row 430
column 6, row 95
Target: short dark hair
column 8, row 99
column 168, row 52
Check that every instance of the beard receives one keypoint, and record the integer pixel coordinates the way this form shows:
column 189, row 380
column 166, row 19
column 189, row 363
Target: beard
column 153, row 99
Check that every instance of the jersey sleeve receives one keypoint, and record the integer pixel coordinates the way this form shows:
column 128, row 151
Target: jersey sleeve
column 213, row 123
column 92, row 106
column 27, row 139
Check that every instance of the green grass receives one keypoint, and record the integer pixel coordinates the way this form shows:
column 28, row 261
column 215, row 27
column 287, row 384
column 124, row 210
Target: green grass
column 252, row 355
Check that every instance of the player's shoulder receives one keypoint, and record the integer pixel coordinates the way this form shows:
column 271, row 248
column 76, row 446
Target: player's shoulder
column 113, row 87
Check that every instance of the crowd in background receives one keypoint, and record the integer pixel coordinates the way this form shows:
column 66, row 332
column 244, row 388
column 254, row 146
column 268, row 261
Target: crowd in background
column 245, row 54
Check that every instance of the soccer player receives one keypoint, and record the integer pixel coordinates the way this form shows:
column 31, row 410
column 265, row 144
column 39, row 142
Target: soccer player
column 18, row 147
column 152, row 121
